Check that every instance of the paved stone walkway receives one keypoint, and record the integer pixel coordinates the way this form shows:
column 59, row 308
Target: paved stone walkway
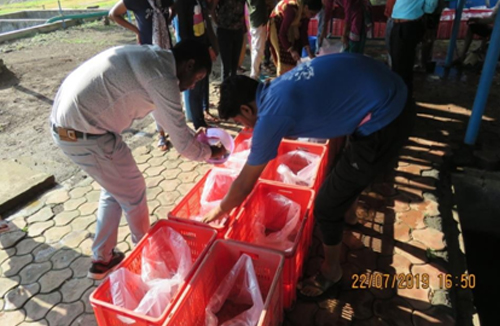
column 45, row 256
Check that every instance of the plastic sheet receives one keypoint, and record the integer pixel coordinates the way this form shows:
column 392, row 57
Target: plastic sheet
column 278, row 222
column 216, row 187
column 298, row 168
column 165, row 264
column 238, row 300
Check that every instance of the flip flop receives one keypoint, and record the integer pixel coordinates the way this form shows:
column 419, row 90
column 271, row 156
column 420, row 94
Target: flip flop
column 163, row 143
column 319, row 282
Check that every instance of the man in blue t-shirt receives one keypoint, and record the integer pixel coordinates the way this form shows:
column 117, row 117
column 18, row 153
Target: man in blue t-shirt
column 331, row 96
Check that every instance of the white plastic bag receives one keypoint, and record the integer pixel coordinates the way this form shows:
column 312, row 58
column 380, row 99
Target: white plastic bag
column 239, row 289
column 216, row 187
column 127, row 288
column 330, row 47
column 298, row 168
column 166, row 262
column 278, row 222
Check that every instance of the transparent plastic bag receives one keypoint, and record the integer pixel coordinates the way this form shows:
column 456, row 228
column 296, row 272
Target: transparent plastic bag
column 330, row 47
column 243, row 146
column 166, row 262
column 127, row 288
column 238, row 291
column 298, row 168
column 278, row 222
column 216, row 187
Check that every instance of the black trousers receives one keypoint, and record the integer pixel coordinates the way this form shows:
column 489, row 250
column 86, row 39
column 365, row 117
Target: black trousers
column 230, row 43
column 363, row 159
column 404, row 39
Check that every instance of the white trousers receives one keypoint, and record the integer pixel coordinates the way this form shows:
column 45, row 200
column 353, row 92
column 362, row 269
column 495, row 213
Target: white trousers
column 259, row 36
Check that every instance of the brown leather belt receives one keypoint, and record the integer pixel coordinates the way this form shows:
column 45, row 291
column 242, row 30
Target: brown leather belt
column 67, row 134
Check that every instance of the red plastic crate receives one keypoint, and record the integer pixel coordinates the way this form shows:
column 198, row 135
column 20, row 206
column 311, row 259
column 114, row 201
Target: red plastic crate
column 190, row 206
column 242, row 230
column 270, row 172
column 198, row 239
column 190, row 307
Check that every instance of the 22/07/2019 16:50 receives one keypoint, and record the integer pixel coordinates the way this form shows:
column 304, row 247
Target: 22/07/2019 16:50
column 411, row 281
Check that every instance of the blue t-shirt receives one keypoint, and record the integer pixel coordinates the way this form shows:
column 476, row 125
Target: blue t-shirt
column 327, row 97
column 143, row 15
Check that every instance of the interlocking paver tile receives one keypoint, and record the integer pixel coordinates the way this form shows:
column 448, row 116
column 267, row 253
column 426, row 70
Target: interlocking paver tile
column 173, row 155
column 433, row 316
column 88, row 208
column 169, row 185
column 302, row 313
column 432, row 238
column 152, row 205
column 154, row 181
column 123, row 247
column 92, row 227
column 18, row 222
column 42, row 215
column 168, row 198
column 157, row 153
column 58, row 196
column 162, row 211
column 157, row 161
column 140, row 159
column 151, row 193
column 141, row 150
column 56, row 233
column 123, row 231
column 186, row 177
column 184, row 188
column 394, row 309
column 73, row 204
column 63, row 314
column 53, row 279
column 364, row 257
column 415, row 252
column 188, row 166
column 80, row 266
column 27, row 245
column 64, row 218
column 10, row 239
column 73, row 289
column 33, row 272
column 13, row 318
column 41, row 322
column 85, row 320
column 431, row 269
column 7, row 253
column 154, row 170
column 31, row 208
column 396, row 264
column 38, row 228
column 352, row 240
column 428, row 207
column 15, row 298
column 413, row 218
column 8, row 283
column 86, row 247
column 74, row 238
column 170, row 174
column 93, row 196
column 86, row 298
column 417, row 297
column 172, row 164
column 402, row 232
column 348, row 270
column 63, row 258
column 142, row 167
column 82, row 222
column 44, row 251
column 80, row 191
column 361, row 302
column 13, row 265
column 95, row 185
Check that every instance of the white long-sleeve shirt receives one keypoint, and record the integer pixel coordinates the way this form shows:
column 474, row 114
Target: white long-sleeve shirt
column 109, row 91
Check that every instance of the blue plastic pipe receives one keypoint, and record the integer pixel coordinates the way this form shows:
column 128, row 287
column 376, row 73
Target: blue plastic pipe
column 454, row 33
column 483, row 90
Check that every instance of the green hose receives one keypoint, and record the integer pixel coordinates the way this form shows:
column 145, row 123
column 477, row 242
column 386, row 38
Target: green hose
column 77, row 16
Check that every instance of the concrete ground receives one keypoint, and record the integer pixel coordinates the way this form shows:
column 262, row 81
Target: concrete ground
column 45, row 255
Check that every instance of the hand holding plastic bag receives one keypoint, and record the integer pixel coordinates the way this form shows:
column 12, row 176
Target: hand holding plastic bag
column 278, row 222
column 240, row 288
column 298, row 168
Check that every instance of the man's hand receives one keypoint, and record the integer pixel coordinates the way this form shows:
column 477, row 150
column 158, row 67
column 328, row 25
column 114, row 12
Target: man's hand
column 295, row 55
column 214, row 215
column 218, row 151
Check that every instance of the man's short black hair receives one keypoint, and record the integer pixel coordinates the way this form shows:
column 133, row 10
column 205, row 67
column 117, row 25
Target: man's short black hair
column 191, row 49
column 236, row 91
column 314, row 5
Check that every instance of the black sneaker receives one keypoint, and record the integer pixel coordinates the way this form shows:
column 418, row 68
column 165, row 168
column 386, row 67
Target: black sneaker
column 99, row 270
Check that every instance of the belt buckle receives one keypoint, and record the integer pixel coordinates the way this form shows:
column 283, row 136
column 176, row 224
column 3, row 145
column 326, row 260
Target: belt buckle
column 67, row 134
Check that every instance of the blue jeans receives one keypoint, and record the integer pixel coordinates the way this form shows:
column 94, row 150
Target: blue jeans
column 196, row 100
column 109, row 161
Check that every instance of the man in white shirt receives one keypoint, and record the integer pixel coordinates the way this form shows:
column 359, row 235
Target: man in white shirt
column 98, row 101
